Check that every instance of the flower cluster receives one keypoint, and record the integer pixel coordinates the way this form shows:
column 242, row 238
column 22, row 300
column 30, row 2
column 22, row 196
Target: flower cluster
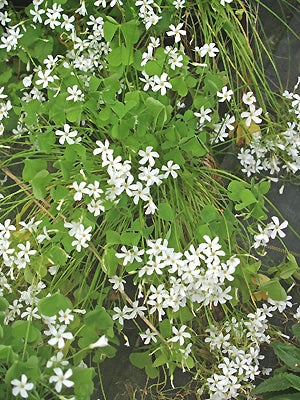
column 272, row 154
column 82, row 235
column 4, row 109
column 239, row 343
column 198, row 276
column 147, row 12
column 18, row 256
column 270, row 231
column 121, row 179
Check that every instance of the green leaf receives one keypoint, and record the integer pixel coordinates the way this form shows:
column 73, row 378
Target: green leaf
column 127, row 55
column 114, row 58
column 131, row 31
column 165, row 328
column 112, row 237
column 247, row 198
column 286, row 270
column 110, row 29
column 209, row 213
column 160, row 360
column 274, row 289
column 143, row 360
column 296, row 331
column 30, row 368
column 166, row 212
column 57, row 255
column 59, row 192
column 42, row 48
column 99, row 318
column 130, row 238
column 39, row 183
column 122, row 109
column 294, row 381
column 234, row 189
column 45, row 141
column 57, row 109
column 212, row 84
column 32, row 167
column 25, row 330
column 53, row 304
column 3, row 304
column 202, row 230
column 190, row 81
column 6, row 353
column 292, row 396
column 111, row 262
column 120, row 55
column 176, row 156
column 275, row 383
column 179, row 86
column 185, row 314
column 83, row 382
column 194, row 147
column 73, row 112
column 105, row 114
column 264, row 187
column 289, row 354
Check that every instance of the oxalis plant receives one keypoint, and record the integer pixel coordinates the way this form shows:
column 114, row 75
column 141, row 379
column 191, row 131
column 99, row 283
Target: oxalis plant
column 113, row 207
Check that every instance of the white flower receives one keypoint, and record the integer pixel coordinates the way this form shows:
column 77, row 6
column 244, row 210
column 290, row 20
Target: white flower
column 59, row 336
column 225, row 94
column 222, row 2
column 80, row 190
column 252, row 115
column 170, row 168
column 209, row 49
column 203, row 115
column 276, row 228
column 27, row 81
column 95, row 207
column 151, row 19
column 37, row 15
column 148, row 336
column 52, row 20
column 75, row 94
column 150, row 207
column 148, row 81
column 175, row 61
column 45, row 78
column 57, row 359
column 25, row 251
column 176, row 31
column 6, row 228
column 65, row 316
column 66, row 135
column 75, row 227
column 178, row 4
column 140, row 193
column 50, row 61
column 61, row 379
column 21, row 387
column 248, row 98
column 148, row 156
column 180, row 335
column 126, row 254
column 117, row 282
column 67, row 23
column 120, row 315
column 161, row 83
column 101, row 342
column 281, row 305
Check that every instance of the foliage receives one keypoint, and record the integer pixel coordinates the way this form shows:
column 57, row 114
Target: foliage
column 114, row 211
